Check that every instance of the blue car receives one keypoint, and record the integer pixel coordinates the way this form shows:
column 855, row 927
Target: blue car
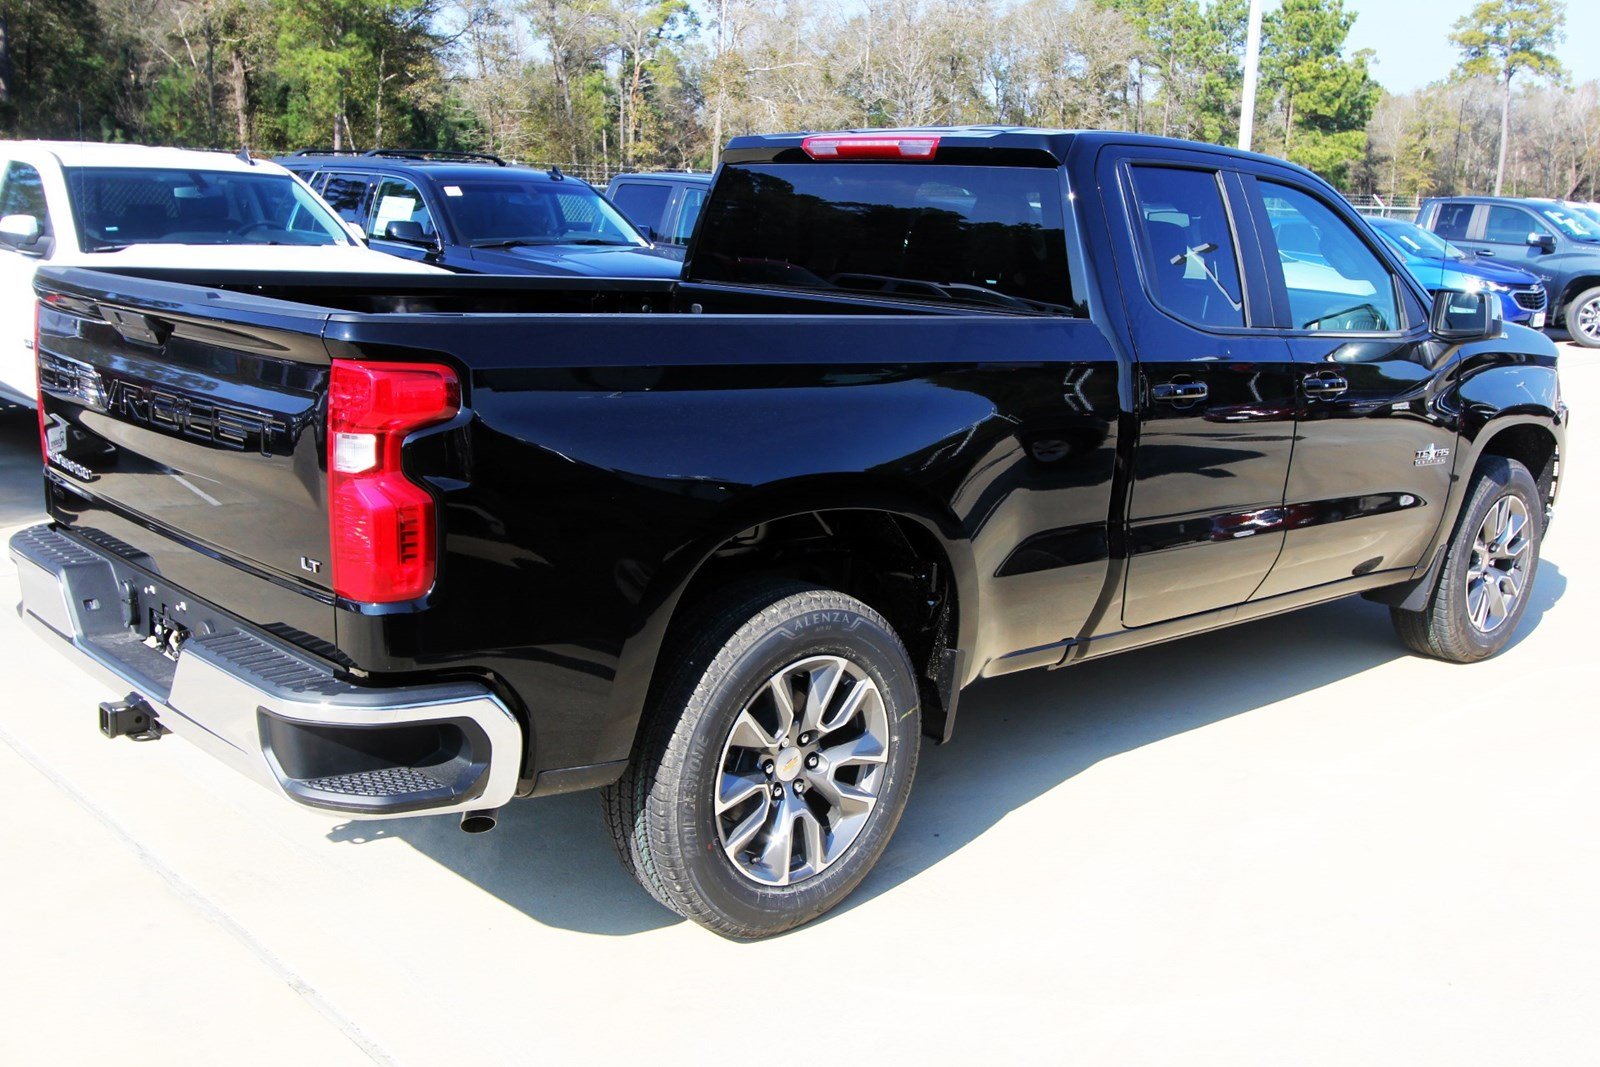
column 1438, row 264
column 474, row 213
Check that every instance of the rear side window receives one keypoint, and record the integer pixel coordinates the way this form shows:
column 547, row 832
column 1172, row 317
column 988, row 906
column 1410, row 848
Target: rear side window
column 990, row 237
column 349, row 194
column 1453, row 221
column 1187, row 246
column 643, row 202
column 1334, row 280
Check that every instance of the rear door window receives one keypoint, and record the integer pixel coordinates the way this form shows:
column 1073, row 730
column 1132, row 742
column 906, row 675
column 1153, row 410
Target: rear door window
column 350, row 195
column 983, row 237
column 1453, row 221
column 643, row 202
column 1186, row 245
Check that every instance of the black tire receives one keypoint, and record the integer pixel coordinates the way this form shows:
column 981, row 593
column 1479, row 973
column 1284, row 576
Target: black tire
column 1583, row 318
column 1444, row 628
column 662, row 811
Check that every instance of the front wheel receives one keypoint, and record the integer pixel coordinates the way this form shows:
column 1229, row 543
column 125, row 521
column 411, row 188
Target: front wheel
column 1583, row 318
column 774, row 763
column 1488, row 569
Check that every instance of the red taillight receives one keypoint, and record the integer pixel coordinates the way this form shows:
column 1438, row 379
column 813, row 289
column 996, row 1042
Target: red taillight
column 381, row 524
column 871, row 146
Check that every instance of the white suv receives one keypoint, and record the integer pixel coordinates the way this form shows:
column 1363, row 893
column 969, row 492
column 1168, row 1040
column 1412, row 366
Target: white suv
column 114, row 205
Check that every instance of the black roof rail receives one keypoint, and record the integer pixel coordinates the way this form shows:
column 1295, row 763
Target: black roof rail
column 440, row 155
column 327, row 152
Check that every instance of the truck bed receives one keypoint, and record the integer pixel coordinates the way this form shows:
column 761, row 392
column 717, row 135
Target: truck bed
column 587, row 405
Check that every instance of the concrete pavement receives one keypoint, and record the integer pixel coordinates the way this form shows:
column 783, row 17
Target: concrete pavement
column 1286, row 842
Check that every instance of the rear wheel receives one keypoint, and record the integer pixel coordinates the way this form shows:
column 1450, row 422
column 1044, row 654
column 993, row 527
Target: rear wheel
column 774, row 763
column 1488, row 570
column 1583, row 318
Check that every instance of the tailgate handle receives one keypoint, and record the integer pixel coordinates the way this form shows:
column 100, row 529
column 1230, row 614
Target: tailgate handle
column 140, row 329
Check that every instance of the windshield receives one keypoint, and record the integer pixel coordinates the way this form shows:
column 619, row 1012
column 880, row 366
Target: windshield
column 1573, row 224
column 1588, row 211
column 509, row 212
column 989, row 237
column 1413, row 242
column 120, row 206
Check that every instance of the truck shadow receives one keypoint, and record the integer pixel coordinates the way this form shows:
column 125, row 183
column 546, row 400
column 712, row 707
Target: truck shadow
column 21, row 484
column 1018, row 738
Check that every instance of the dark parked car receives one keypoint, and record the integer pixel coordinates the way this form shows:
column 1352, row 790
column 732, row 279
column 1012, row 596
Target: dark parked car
column 927, row 407
column 1558, row 244
column 664, row 205
column 1438, row 264
column 474, row 213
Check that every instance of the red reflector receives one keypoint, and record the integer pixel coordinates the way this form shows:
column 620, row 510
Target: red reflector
column 871, row 146
column 381, row 524
column 44, row 420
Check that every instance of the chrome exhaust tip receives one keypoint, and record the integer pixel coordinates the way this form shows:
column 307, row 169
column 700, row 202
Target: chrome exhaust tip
column 480, row 822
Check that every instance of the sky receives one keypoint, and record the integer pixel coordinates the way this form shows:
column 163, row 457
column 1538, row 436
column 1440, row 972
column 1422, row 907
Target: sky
column 1412, row 44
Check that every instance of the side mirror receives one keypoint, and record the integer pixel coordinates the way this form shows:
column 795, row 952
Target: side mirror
column 1544, row 242
column 648, row 233
column 22, row 232
column 1460, row 317
column 408, row 232
column 356, row 230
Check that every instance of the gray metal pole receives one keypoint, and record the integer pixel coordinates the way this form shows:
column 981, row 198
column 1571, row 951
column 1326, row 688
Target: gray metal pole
column 1252, row 61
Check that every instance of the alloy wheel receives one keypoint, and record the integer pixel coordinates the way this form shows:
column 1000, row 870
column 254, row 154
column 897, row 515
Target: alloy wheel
column 1497, row 574
column 1588, row 319
column 801, row 770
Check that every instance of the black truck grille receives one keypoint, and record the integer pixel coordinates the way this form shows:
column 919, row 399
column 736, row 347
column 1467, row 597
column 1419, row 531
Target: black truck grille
column 1532, row 298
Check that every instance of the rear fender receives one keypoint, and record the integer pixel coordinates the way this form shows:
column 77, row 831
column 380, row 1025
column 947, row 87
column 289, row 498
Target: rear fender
column 640, row 656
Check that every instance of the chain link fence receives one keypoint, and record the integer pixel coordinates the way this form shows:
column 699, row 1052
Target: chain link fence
column 1397, row 207
column 598, row 174
column 593, row 173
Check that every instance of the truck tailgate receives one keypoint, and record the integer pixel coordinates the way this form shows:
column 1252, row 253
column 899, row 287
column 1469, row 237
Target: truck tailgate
column 187, row 436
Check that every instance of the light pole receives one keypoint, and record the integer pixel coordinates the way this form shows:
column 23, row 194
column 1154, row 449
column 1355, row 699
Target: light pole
column 1252, row 62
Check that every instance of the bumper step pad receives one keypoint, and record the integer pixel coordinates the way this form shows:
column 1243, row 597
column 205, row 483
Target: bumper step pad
column 386, row 782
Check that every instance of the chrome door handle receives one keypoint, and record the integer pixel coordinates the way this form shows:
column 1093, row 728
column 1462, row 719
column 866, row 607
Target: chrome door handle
column 1323, row 386
column 1179, row 392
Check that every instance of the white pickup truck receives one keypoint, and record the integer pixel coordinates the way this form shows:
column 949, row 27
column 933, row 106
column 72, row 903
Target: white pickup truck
column 128, row 206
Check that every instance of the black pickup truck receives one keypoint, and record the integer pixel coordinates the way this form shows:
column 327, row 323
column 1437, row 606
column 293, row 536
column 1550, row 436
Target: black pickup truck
column 926, row 407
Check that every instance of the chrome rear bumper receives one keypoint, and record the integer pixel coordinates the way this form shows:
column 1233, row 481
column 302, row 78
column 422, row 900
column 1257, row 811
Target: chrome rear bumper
column 277, row 715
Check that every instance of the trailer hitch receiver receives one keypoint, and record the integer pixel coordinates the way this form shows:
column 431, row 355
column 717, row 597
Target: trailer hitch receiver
column 132, row 717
